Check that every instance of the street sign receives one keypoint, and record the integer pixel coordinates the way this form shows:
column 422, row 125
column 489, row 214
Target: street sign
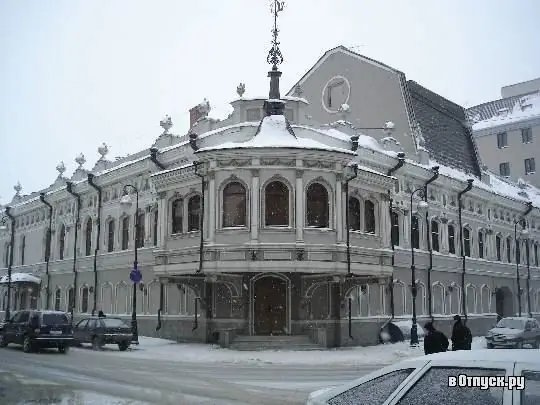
column 135, row 275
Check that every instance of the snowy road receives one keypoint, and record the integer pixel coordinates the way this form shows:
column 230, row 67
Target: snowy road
column 173, row 382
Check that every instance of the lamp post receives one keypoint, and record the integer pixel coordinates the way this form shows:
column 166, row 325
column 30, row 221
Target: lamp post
column 521, row 221
column 422, row 205
column 525, row 235
column 135, row 274
column 10, row 259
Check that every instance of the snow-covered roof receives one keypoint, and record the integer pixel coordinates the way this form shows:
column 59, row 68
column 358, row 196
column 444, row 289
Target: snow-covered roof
column 20, row 278
column 522, row 108
column 283, row 98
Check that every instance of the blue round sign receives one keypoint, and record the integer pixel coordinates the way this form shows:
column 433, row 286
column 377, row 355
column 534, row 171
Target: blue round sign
column 135, row 275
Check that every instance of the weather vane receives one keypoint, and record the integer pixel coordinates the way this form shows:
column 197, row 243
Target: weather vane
column 275, row 57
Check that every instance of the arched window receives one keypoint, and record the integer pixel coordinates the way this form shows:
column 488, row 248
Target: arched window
column 435, row 236
column 139, row 234
column 369, row 216
column 467, row 242
column 498, row 248
column 518, row 251
column 451, row 239
column 415, row 232
column 509, row 250
column 354, row 214
column 84, row 300
column 536, row 258
column 88, row 238
column 395, row 228
column 57, row 299
column 70, row 299
column 194, row 213
column 234, row 205
column 156, row 223
column 276, row 204
column 23, row 247
column 480, row 244
column 177, row 216
column 317, row 206
column 110, row 235
column 125, row 233
column 62, row 242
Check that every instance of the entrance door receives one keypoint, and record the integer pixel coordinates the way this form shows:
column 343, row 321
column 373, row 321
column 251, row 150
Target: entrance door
column 270, row 307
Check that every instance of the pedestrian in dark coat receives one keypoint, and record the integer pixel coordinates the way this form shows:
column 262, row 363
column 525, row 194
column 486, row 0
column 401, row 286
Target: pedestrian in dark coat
column 101, row 314
column 461, row 335
column 435, row 341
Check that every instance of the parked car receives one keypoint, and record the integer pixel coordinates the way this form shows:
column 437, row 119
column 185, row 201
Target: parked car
column 38, row 329
column 426, row 380
column 103, row 331
column 514, row 332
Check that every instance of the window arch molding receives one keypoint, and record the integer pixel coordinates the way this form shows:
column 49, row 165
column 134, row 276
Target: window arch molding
column 364, row 197
column 438, row 302
column 222, row 186
column 330, row 193
column 291, row 201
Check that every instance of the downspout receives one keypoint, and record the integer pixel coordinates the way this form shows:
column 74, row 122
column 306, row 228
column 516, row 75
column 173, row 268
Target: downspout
column 153, row 158
column 518, row 279
column 391, row 171
column 347, row 228
column 69, row 188
column 48, row 252
column 461, row 245
column 435, row 170
column 201, row 241
column 10, row 264
column 98, row 238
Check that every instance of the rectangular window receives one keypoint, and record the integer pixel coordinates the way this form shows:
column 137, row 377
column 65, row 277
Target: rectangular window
column 502, row 140
column 504, row 169
column 480, row 245
column 498, row 248
column 451, row 240
column 530, row 166
column 526, row 135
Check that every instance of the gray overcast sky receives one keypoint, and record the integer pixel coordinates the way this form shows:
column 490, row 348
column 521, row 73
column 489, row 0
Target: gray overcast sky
column 76, row 73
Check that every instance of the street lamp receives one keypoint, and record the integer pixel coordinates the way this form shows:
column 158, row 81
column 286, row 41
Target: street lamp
column 525, row 235
column 135, row 274
column 422, row 206
column 10, row 259
column 520, row 221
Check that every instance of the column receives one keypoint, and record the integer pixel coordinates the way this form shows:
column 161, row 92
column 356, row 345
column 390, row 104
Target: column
column 162, row 219
column 299, row 199
column 338, row 212
column 406, row 232
column 384, row 220
column 211, row 206
column 254, row 204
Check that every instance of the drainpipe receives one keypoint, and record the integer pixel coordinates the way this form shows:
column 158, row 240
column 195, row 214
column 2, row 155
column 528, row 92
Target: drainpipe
column 391, row 171
column 435, row 170
column 48, row 251
column 201, row 225
column 461, row 244
column 353, row 176
column 69, row 188
column 518, row 280
column 10, row 263
column 153, row 158
column 98, row 237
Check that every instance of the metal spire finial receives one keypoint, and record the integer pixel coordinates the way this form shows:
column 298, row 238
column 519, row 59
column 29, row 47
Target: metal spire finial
column 275, row 57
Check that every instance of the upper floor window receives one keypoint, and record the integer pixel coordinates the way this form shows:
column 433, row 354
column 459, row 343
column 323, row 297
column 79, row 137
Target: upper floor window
column 434, row 236
column 509, row 250
column 530, row 166
column 354, row 214
column 395, row 228
column 84, row 300
column 110, row 236
column 317, row 206
column 140, row 229
column 88, row 238
column 62, row 242
column 234, row 205
column 125, row 233
column 502, row 140
column 504, row 169
column 276, row 204
column 156, row 227
column 369, row 216
column 526, row 135
column 47, row 244
column 498, row 244
column 194, row 213
column 467, row 242
column 23, row 248
column 518, row 252
column 177, row 216
column 481, row 245
column 415, row 232
column 536, row 258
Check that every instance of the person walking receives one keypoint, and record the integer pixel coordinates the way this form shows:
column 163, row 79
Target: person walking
column 101, row 314
column 435, row 341
column 461, row 335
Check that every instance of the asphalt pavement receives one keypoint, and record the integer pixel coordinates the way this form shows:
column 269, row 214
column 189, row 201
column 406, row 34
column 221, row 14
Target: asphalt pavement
column 158, row 382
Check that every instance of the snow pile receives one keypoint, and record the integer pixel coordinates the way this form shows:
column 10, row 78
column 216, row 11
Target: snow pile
column 167, row 350
column 527, row 107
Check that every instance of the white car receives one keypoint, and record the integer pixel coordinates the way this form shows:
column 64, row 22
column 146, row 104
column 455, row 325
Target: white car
column 428, row 380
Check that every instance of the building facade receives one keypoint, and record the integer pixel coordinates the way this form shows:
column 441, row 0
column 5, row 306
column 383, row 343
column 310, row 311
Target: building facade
column 290, row 217
column 507, row 132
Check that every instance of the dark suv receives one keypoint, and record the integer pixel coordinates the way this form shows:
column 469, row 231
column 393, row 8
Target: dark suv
column 38, row 329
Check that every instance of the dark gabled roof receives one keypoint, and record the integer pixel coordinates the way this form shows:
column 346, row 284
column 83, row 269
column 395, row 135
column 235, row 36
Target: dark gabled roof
column 490, row 109
column 443, row 125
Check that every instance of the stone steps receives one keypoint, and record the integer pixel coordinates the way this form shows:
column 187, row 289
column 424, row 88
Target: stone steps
column 261, row 343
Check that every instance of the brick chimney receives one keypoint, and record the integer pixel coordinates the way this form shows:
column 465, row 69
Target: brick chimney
column 194, row 115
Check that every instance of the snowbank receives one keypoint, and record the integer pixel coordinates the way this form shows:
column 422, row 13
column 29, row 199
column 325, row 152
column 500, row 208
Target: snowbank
column 166, row 350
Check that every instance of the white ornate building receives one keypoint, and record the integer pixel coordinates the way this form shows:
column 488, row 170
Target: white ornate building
column 269, row 185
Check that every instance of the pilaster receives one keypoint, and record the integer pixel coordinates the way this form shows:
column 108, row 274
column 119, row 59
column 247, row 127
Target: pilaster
column 338, row 213
column 299, row 200
column 212, row 207
column 254, row 204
